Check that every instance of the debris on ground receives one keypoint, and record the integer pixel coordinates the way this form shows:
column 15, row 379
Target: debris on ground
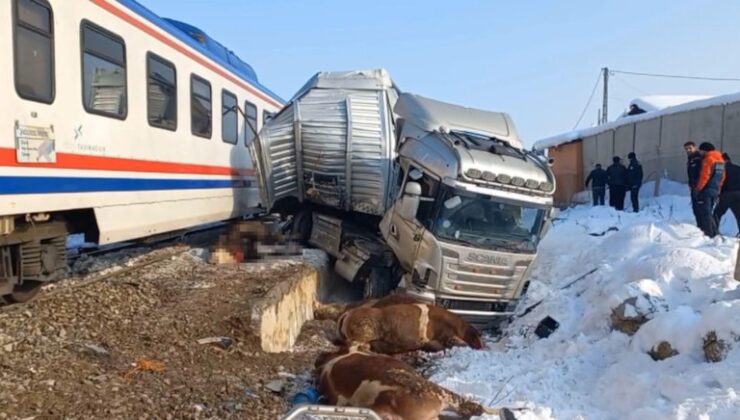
column 81, row 341
column 223, row 342
column 662, row 351
column 547, row 326
column 715, row 349
column 627, row 318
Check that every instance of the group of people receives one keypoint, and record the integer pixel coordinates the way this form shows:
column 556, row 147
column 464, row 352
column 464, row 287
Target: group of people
column 714, row 182
column 715, row 186
column 619, row 179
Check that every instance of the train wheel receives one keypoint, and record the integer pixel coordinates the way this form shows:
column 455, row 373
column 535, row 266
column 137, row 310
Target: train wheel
column 43, row 262
column 24, row 292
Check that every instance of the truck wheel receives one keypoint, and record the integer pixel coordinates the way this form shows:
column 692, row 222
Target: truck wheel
column 378, row 283
column 302, row 224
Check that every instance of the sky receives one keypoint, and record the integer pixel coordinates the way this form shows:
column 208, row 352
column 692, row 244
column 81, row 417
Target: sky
column 536, row 60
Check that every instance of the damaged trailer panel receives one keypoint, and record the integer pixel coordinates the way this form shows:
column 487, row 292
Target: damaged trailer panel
column 333, row 145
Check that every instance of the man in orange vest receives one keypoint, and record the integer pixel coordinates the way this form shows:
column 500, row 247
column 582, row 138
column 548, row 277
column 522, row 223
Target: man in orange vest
column 708, row 187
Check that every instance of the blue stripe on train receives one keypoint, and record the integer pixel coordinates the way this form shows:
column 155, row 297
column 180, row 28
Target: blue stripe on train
column 53, row 184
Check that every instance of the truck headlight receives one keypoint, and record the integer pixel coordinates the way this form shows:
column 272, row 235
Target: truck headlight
column 489, row 176
column 532, row 184
column 503, row 178
column 517, row 181
column 473, row 173
column 547, row 186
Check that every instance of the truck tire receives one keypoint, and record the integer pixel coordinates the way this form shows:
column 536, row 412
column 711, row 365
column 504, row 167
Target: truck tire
column 302, row 225
column 378, row 283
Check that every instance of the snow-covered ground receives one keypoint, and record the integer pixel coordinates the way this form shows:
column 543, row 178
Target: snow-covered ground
column 587, row 370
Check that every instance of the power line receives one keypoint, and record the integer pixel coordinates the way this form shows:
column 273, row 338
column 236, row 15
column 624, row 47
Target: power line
column 588, row 103
column 675, row 76
column 630, row 85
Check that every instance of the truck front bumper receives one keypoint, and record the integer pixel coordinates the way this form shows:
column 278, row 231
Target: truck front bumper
column 483, row 313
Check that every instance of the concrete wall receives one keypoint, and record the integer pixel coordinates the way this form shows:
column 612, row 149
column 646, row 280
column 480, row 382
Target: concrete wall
column 658, row 142
column 624, row 140
column 647, row 147
column 731, row 132
column 590, row 153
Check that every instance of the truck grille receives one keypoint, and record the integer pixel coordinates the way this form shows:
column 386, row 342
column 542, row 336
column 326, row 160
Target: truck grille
column 469, row 305
column 489, row 281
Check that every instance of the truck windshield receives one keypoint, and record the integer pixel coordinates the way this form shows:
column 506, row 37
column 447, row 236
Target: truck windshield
column 484, row 221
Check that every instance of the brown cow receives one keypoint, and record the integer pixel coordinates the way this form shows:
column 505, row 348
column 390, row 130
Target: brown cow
column 349, row 377
column 395, row 326
column 333, row 311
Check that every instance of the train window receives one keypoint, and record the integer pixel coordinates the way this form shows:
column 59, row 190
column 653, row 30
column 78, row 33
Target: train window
column 200, row 107
column 34, row 50
column 103, row 72
column 250, row 126
column 161, row 90
column 266, row 116
column 229, row 120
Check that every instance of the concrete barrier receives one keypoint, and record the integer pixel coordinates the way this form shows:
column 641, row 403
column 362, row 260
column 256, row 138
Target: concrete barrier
column 277, row 318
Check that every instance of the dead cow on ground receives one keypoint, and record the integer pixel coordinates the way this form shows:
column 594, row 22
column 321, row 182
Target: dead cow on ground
column 349, row 377
column 333, row 311
column 393, row 325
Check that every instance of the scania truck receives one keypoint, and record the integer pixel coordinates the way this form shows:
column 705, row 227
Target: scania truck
column 402, row 191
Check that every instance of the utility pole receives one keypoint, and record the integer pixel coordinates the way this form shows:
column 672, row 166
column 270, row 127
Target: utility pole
column 605, row 105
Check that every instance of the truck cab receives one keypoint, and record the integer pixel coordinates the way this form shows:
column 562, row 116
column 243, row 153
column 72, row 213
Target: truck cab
column 471, row 208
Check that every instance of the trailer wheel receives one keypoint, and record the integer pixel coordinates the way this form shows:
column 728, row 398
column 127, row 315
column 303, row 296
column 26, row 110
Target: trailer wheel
column 378, row 283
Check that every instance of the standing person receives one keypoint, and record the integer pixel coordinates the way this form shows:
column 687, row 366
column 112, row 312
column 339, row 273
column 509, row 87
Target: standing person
column 708, row 187
column 634, row 180
column 617, row 180
column 693, row 167
column 597, row 178
column 729, row 197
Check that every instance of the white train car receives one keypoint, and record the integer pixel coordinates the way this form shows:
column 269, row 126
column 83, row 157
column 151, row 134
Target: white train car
column 119, row 124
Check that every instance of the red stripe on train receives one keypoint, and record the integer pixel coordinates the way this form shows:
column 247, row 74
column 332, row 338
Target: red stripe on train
column 102, row 163
column 130, row 19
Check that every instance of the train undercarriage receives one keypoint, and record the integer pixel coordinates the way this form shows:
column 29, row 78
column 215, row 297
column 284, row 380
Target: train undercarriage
column 32, row 252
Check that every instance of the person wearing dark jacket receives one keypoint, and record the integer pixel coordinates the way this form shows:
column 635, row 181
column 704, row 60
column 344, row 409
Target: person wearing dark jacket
column 617, row 180
column 634, row 181
column 708, row 186
column 597, row 178
column 729, row 197
column 693, row 167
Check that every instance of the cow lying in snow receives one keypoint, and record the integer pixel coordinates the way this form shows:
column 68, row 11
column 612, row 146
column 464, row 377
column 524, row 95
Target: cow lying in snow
column 399, row 324
column 349, row 377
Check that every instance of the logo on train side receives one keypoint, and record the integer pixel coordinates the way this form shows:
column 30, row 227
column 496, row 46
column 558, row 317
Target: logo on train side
column 474, row 257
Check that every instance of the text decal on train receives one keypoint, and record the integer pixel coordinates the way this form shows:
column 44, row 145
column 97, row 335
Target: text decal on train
column 34, row 144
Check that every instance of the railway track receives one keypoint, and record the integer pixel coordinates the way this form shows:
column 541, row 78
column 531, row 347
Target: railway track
column 200, row 236
column 75, row 253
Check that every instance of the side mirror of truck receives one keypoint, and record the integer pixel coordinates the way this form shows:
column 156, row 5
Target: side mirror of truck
column 410, row 200
column 551, row 214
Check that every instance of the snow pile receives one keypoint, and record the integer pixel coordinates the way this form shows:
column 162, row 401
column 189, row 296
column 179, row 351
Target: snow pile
column 593, row 260
column 652, row 103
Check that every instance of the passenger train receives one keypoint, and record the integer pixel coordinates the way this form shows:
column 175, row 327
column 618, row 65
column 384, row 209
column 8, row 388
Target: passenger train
column 118, row 124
